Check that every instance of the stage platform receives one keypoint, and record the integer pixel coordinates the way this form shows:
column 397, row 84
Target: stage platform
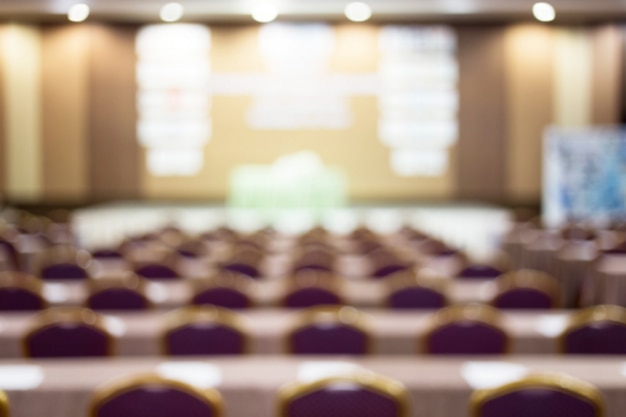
column 474, row 228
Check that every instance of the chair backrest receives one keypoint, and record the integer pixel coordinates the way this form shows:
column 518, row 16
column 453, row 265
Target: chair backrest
column 407, row 291
column 226, row 297
column 126, row 293
column 385, row 263
column 362, row 394
column 4, row 405
column 106, row 253
column 64, row 262
column 156, row 270
column 329, row 330
column 526, row 289
column 155, row 396
column 480, row 271
column 67, row 332
column 596, row 330
column 416, row 297
column 11, row 252
column 314, row 259
column 542, row 395
column 312, row 296
column 244, row 261
column 204, row 330
column 21, row 292
column 465, row 330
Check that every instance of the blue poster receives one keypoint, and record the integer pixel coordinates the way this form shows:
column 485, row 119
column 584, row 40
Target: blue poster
column 584, row 175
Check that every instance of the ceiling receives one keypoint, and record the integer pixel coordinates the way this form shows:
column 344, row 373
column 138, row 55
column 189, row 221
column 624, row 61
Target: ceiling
column 383, row 10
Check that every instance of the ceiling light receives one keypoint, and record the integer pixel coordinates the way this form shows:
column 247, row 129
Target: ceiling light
column 264, row 13
column 78, row 13
column 171, row 12
column 358, row 12
column 544, row 12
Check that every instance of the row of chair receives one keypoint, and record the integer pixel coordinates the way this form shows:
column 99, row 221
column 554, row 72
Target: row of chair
column 358, row 394
column 459, row 330
column 522, row 289
column 157, row 254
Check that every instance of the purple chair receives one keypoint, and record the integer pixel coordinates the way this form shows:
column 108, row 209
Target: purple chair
column 21, row 292
column 479, row 271
column 192, row 249
column 329, row 331
column 242, row 268
column 64, row 262
column 107, row 254
column 315, row 259
column 416, row 297
column 388, row 269
column 345, row 396
column 222, row 297
column 155, row 396
column 523, row 299
column 526, row 289
column 311, row 297
column 119, row 298
column 11, row 253
column 20, row 299
column 156, row 271
column 466, row 330
column 599, row 330
column 71, row 332
column 548, row 395
column 204, row 331
column 63, row 271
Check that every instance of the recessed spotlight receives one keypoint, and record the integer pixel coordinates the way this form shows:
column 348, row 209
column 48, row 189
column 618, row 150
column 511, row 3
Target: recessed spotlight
column 78, row 13
column 544, row 12
column 264, row 12
column 172, row 12
column 358, row 11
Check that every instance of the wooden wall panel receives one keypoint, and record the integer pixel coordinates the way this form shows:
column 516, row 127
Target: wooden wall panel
column 113, row 161
column 65, row 53
column 2, row 116
column 529, row 66
column 607, row 73
column 22, row 102
column 572, row 81
column 481, row 150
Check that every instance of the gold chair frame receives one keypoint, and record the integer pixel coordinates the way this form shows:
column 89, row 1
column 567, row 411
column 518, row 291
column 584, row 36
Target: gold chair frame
column 383, row 386
column 211, row 397
column 528, row 279
column 59, row 315
column 554, row 381
column 344, row 315
column 478, row 313
column 185, row 316
column 601, row 313
column 23, row 281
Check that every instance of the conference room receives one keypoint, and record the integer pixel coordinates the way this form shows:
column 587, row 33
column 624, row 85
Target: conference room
column 307, row 208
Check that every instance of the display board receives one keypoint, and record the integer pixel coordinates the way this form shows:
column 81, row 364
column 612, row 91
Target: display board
column 294, row 85
column 584, row 175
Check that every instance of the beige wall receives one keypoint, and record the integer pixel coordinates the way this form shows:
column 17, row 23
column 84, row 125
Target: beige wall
column 65, row 53
column 2, row 115
column 607, row 67
column 69, row 97
column 21, row 52
column 481, row 162
column 113, row 152
column 529, row 55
